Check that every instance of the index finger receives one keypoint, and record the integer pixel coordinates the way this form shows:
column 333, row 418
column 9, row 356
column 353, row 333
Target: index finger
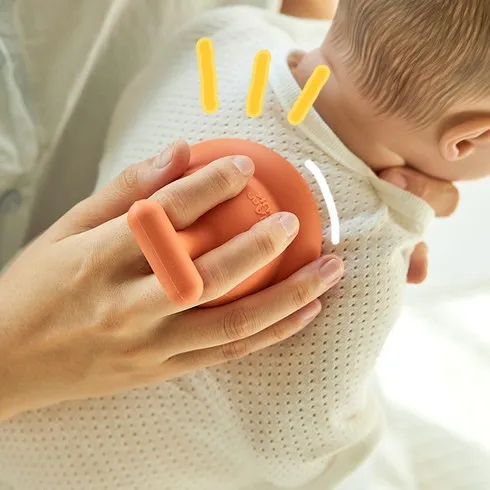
column 442, row 196
column 184, row 201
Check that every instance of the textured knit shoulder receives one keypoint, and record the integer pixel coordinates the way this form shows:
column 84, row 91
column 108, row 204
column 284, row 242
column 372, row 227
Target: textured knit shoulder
column 297, row 413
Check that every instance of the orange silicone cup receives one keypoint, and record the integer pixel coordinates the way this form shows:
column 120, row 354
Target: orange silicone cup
column 275, row 186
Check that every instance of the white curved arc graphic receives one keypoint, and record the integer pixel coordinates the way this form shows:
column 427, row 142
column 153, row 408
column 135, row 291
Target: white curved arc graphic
column 327, row 195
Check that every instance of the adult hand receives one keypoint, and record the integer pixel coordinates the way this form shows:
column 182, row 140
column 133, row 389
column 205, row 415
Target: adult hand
column 441, row 195
column 82, row 316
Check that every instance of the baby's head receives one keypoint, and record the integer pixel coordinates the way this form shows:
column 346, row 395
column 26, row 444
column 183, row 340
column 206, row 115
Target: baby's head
column 410, row 83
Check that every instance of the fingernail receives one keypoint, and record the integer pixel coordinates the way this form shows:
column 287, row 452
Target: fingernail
column 165, row 157
column 243, row 164
column 290, row 224
column 310, row 312
column 397, row 179
column 331, row 270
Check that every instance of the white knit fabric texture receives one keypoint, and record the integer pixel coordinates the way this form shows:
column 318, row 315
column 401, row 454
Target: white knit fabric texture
column 297, row 415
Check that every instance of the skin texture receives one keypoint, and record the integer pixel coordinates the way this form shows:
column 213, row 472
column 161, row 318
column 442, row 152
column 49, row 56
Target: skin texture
column 81, row 315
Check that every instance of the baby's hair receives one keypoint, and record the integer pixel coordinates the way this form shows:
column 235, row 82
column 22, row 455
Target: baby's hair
column 416, row 58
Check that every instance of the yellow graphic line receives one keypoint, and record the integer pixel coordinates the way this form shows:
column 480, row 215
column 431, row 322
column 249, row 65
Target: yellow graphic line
column 207, row 74
column 308, row 96
column 258, row 84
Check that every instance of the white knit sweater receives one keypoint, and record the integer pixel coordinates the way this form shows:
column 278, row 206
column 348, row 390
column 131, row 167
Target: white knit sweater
column 297, row 415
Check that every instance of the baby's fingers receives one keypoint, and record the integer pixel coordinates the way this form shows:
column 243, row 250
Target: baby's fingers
column 417, row 271
column 442, row 196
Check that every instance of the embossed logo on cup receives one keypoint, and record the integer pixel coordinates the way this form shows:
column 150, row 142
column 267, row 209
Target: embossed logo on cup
column 262, row 207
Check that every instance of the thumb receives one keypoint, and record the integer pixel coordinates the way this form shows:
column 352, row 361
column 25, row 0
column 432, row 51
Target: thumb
column 138, row 181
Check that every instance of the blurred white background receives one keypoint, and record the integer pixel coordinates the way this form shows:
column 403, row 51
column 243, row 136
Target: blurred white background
column 436, row 364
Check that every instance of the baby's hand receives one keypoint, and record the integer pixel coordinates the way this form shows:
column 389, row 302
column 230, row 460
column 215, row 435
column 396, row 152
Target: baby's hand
column 441, row 195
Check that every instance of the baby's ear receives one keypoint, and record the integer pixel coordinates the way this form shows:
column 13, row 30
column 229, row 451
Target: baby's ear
column 462, row 139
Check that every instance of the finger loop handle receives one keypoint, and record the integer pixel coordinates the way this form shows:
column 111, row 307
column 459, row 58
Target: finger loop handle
column 165, row 252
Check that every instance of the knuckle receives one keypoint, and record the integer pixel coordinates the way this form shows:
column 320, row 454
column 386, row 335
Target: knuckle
column 82, row 217
column 214, row 278
column 301, row 295
column 127, row 180
column 132, row 356
column 88, row 267
column 221, row 182
column 176, row 206
column 140, row 354
column 238, row 324
column 266, row 244
column 80, row 210
column 109, row 320
column 235, row 350
column 108, row 316
column 278, row 333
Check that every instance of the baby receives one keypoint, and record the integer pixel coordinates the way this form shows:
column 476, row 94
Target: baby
column 410, row 85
